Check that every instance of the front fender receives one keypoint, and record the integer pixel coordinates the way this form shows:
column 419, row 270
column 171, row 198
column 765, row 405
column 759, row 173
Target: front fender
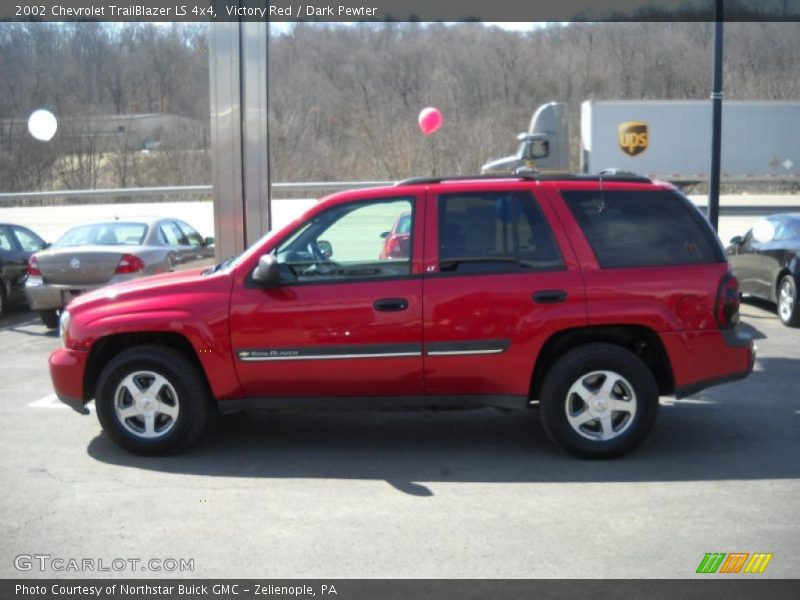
column 208, row 337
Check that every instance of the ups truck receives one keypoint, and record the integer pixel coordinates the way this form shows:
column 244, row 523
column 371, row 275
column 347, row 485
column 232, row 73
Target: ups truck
column 666, row 139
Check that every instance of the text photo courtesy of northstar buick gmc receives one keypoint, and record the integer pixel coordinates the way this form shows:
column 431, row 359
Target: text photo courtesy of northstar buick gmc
column 584, row 297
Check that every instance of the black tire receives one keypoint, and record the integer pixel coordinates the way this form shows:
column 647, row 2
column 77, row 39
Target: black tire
column 789, row 305
column 575, row 367
column 193, row 399
column 3, row 300
column 49, row 318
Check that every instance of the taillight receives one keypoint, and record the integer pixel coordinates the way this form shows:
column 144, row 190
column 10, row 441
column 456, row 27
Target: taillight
column 129, row 264
column 397, row 247
column 33, row 266
column 727, row 305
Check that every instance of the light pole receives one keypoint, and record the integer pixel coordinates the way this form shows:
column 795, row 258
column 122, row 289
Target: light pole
column 716, row 127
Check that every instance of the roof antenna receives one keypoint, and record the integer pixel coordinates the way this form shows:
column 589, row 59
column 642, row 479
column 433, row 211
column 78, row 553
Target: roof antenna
column 603, row 206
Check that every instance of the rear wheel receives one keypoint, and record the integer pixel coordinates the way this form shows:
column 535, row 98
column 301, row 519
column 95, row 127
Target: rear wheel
column 599, row 401
column 49, row 318
column 788, row 303
column 152, row 400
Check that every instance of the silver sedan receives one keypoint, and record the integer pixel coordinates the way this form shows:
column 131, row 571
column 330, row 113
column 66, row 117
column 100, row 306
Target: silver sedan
column 92, row 255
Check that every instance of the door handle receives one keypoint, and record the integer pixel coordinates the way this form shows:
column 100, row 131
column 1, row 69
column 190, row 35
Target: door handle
column 390, row 304
column 549, row 296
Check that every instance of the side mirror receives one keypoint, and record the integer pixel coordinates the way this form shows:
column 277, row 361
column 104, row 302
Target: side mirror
column 209, row 241
column 325, row 248
column 267, row 273
column 737, row 240
column 46, row 245
column 384, row 235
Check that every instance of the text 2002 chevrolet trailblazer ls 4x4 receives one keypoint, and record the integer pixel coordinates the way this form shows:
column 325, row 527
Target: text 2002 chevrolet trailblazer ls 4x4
column 588, row 297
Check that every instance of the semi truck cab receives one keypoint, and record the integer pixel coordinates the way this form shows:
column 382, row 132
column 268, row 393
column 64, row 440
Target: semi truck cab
column 544, row 147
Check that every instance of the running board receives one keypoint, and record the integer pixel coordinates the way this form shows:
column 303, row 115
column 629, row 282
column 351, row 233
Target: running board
column 375, row 403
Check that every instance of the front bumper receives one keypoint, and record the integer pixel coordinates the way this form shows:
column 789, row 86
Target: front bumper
column 67, row 369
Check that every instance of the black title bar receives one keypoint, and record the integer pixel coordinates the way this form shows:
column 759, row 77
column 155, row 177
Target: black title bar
column 395, row 10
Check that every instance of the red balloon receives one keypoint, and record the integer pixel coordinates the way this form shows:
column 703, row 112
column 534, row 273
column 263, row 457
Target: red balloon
column 430, row 119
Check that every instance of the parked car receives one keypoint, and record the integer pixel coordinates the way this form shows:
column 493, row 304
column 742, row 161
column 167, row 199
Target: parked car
column 770, row 268
column 93, row 255
column 397, row 241
column 588, row 297
column 17, row 243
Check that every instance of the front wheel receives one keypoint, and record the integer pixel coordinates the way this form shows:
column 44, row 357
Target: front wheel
column 788, row 303
column 599, row 401
column 152, row 400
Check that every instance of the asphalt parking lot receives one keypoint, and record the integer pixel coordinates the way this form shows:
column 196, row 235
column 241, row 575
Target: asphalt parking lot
column 406, row 495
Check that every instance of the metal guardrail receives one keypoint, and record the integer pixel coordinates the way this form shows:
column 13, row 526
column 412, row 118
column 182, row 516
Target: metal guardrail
column 184, row 190
column 12, row 198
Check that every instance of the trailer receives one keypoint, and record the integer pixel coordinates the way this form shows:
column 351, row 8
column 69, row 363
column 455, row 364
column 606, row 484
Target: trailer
column 666, row 139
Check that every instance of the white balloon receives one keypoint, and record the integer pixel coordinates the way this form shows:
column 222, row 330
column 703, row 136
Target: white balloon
column 763, row 231
column 42, row 124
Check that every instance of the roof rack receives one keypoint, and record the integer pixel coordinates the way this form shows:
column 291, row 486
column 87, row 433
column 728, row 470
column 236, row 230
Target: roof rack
column 622, row 177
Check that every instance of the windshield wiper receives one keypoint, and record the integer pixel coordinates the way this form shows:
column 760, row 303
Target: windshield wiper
column 220, row 266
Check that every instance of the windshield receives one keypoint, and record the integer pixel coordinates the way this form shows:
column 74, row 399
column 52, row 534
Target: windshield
column 404, row 224
column 104, row 234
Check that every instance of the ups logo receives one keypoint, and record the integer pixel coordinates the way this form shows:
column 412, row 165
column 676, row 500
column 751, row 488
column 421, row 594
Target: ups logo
column 632, row 137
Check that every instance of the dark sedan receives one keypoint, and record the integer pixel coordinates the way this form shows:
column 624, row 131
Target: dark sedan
column 17, row 243
column 767, row 264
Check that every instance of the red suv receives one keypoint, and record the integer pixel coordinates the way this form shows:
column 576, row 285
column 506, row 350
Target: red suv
column 585, row 296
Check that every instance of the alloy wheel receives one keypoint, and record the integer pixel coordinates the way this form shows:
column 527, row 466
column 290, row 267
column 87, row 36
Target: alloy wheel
column 146, row 404
column 600, row 405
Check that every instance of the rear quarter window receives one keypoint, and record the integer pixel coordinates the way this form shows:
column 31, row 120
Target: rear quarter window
column 643, row 228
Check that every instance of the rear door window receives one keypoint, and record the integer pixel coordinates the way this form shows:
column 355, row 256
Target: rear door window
column 5, row 240
column 494, row 232
column 28, row 241
column 171, row 235
column 643, row 228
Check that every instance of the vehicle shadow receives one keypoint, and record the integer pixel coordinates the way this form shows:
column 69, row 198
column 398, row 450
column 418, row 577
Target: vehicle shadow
column 767, row 310
column 19, row 319
column 752, row 332
column 744, row 430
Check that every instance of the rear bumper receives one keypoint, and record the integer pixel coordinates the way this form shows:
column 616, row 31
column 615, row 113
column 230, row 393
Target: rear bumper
column 49, row 296
column 66, row 370
column 42, row 297
column 704, row 359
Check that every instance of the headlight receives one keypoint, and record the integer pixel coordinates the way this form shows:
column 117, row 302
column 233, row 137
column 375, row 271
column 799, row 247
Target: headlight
column 63, row 327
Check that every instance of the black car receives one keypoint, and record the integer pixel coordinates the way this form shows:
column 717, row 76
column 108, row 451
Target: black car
column 17, row 243
column 771, row 269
